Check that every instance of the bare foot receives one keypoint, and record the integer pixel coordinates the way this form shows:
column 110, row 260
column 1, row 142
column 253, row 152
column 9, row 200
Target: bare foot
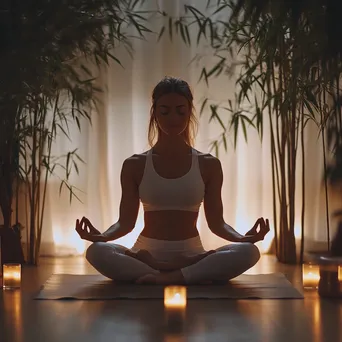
column 184, row 261
column 169, row 278
column 144, row 256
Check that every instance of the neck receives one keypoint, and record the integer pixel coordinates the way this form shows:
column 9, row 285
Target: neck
column 171, row 146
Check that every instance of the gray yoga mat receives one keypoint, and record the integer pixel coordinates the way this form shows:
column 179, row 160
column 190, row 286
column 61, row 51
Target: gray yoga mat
column 97, row 287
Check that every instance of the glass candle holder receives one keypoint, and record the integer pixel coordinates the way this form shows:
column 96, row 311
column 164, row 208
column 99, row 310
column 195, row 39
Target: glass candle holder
column 11, row 276
column 311, row 276
column 175, row 306
column 329, row 284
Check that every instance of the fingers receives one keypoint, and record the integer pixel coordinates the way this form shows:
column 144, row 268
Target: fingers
column 78, row 226
column 256, row 225
column 81, row 227
column 264, row 228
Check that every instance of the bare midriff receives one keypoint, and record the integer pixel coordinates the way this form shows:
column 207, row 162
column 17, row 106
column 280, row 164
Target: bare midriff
column 170, row 225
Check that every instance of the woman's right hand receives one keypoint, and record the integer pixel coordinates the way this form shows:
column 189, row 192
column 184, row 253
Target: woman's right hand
column 87, row 231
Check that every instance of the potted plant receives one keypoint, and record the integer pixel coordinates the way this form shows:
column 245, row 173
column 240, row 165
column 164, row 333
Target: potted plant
column 49, row 51
column 290, row 68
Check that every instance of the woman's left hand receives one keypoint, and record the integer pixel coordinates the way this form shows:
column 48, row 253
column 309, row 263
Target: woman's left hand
column 259, row 232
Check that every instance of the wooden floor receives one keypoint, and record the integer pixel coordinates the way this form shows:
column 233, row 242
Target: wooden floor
column 23, row 319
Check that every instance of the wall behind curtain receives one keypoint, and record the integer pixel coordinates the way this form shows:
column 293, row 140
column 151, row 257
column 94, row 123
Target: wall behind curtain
column 119, row 129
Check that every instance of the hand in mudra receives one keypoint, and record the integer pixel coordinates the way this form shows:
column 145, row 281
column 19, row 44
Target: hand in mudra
column 259, row 230
column 86, row 230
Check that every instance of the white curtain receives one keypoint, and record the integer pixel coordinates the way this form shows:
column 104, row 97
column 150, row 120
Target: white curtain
column 119, row 129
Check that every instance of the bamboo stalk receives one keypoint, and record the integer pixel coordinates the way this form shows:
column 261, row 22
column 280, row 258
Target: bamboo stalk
column 273, row 157
column 301, row 257
column 292, row 159
column 37, row 209
column 325, row 173
column 33, row 171
column 46, row 176
column 27, row 194
column 338, row 97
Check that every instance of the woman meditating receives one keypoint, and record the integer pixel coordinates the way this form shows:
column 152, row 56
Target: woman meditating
column 171, row 180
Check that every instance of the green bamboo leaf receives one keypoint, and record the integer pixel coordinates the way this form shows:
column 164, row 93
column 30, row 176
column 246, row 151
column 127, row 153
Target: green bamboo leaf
column 224, row 141
column 182, row 31
column 78, row 123
column 63, row 130
column 218, row 68
column 246, row 118
column 307, row 105
column 61, row 187
column 204, row 76
column 311, row 97
column 236, row 128
column 67, row 165
column 76, row 167
column 203, row 29
column 215, row 115
column 161, row 33
column 220, row 8
column 170, row 28
column 114, row 58
column 204, row 103
column 187, row 33
column 195, row 12
column 244, row 128
column 79, row 158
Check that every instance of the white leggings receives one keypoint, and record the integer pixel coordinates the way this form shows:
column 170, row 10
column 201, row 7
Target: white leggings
column 228, row 262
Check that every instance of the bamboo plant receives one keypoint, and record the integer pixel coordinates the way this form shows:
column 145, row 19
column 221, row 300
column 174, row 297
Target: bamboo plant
column 289, row 73
column 50, row 53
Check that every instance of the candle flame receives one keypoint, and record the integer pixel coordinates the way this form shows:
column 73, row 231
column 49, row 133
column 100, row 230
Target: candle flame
column 175, row 297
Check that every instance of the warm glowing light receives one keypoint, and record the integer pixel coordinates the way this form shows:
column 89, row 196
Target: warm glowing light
column 175, row 296
column 175, row 306
column 57, row 235
column 69, row 240
column 11, row 276
column 317, row 322
column 266, row 243
column 298, row 231
column 340, row 273
column 76, row 242
column 311, row 276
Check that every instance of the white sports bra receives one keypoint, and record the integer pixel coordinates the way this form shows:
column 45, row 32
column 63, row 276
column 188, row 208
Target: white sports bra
column 182, row 193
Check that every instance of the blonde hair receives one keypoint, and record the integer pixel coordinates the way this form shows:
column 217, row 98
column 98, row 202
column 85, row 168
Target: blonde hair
column 170, row 85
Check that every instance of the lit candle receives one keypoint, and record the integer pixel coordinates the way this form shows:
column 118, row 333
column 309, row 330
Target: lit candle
column 175, row 305
column 11, row 276
column 310, row 276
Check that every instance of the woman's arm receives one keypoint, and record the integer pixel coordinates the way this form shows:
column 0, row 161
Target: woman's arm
column 129, row 205
column 213, row 207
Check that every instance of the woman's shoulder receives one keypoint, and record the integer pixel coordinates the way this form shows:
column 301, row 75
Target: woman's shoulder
column 136, row 163
column 208, row 158
column 136, row 159
column 210, row 165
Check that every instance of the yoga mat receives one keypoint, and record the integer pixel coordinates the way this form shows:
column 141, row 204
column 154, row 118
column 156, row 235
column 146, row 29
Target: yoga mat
column 97, row 287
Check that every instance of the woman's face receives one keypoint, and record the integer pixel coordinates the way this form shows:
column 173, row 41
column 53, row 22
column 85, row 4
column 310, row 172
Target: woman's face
column 172, row 113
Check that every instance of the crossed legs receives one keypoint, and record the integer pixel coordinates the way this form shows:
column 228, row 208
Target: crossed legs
column 116, row 262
